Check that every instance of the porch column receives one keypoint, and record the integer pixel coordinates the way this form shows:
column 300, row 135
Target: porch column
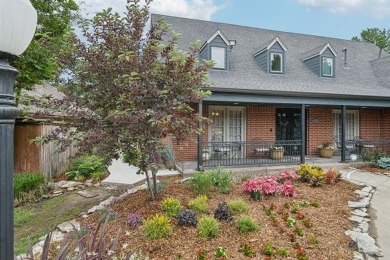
column 303, row 132
column 343, row 124
column 200, row 136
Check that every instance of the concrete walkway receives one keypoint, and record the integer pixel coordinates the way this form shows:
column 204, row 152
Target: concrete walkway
column 379, row 205
column 125, row 174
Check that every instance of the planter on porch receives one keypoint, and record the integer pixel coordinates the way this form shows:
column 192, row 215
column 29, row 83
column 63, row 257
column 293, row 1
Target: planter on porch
column 276, row 153
column 326, row 152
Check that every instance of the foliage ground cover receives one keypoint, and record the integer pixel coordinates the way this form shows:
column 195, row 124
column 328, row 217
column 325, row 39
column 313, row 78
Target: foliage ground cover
column 310, row 234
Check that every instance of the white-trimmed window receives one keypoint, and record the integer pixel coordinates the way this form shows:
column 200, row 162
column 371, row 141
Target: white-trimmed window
column 352, row 127
column 276, row 62
column 218, row 56
column 327, row 66
column 228, row 123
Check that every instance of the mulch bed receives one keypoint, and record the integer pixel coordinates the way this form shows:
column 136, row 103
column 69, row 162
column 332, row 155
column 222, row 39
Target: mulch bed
column 330, row 221
column 374, row 169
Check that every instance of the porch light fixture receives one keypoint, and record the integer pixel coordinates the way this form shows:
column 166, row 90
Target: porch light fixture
column 18, row 20
column 232, row 43
column 214, row 113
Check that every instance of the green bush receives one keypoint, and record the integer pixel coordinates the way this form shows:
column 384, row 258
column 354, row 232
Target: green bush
column 83, row 167
column 222, row 180
column 246, row 224
column 156, row 227
column 238, row 205
column 201, row 182
column 372, row 156
column 208, row 227
column 171, row 206
column 384, row 163
column 28, row 187
column 199, row 204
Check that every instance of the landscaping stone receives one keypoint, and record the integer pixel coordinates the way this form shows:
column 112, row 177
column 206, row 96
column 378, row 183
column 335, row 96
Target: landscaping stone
column 358, row 256
column 70, row 184
column 367, row 189
column 359, row 204
column 367, row 245
column 69, row 226
column 87, row 194
column 359, row 213
column 362, row 194
column 57, row 192
column 364, row 226
column 356, row 218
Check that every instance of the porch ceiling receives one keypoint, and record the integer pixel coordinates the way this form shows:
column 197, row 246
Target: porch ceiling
column 293, row 99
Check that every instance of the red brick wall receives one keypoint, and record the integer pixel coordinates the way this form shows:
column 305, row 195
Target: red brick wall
column 260, row 123
column 320, row 128
column 370, row 123
column 385, row 123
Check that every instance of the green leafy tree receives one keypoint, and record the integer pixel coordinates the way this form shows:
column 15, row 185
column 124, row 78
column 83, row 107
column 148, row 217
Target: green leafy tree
column 41, row 61
column 380, row 38
column 129, row 90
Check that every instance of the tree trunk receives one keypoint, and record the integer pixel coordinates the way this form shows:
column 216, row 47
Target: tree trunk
column 151, row 189
column 154, row 176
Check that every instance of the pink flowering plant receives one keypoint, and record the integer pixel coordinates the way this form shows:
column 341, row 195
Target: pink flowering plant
column 271, row 185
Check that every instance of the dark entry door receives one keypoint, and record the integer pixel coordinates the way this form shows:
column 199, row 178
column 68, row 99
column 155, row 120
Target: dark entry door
column 288, row 124
column 288, row 129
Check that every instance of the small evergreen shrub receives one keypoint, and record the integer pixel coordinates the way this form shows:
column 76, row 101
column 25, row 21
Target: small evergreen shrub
column 156, row 227
column 372, row 156
column 201, row 182
column 283, row 252
column 208, row 227
column 223, row 212
column 384, row 163
column 83, row 167
column 187, row 218
column 28, row 187
column 238, row 205
column 171, row 206
column 247, row 224
column 199, row 204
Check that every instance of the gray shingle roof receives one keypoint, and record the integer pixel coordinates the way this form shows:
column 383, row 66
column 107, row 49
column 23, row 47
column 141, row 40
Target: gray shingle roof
column 361, row 77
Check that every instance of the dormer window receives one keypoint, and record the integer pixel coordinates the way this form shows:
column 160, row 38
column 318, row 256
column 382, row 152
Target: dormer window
column 270, row 56
column 276, row 62
column 216, row 48
column 327, row 67
column 218, row 55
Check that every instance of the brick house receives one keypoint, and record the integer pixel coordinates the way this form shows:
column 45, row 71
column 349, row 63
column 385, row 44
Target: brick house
column 287, row 90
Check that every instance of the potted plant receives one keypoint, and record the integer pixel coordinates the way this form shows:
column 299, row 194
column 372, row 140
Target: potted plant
column 205, row 154
column 276, row 152
column 326, row 150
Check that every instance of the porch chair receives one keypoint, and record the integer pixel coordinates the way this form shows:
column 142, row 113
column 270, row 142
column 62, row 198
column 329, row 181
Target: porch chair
column 260, row 147
column 350, row 144
column 219, row 147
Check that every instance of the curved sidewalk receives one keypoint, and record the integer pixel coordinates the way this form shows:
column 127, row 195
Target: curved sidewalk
column 379, row 205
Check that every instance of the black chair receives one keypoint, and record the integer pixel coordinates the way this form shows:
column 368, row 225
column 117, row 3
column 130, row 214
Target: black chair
column 219, row 147
column 260, row 147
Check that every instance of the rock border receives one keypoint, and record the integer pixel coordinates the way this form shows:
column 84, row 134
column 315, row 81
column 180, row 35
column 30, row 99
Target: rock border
column 367, row 249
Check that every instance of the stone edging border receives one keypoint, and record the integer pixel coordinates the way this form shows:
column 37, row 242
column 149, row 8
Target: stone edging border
column 367, row 249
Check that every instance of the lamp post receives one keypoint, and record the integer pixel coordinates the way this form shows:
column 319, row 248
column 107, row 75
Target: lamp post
column 18, row 20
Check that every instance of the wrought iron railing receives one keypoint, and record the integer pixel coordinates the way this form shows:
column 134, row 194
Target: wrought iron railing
column 260, row 153
column 361, row 146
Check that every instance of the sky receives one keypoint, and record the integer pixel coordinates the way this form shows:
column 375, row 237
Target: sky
column 332, row 18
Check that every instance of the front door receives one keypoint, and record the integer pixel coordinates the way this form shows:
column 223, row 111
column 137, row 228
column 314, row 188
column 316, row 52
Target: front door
column 288, row 130
column 288, row 124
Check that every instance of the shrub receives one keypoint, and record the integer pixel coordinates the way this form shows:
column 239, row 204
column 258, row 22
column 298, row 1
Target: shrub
column 372, row 156
column 171, row 206
column 331, row 176
column 223, row 181
column 312, row 174
column 248, row 251
column 208, row 227
column 288, row 189
column 220, row 253
column 238, row 205
column 156, row 227
column 284, row 176
column 133, row 220
column 246, row 224
column 199, row 204
column 84, row 166
column 269, row 186
column 187, row 218
column 267, row 249
column 201, row 183
column 132, row 156
column 168, row 157
column 97, row 176
column 28, row 186
column 384, row 163
column 223, row 212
